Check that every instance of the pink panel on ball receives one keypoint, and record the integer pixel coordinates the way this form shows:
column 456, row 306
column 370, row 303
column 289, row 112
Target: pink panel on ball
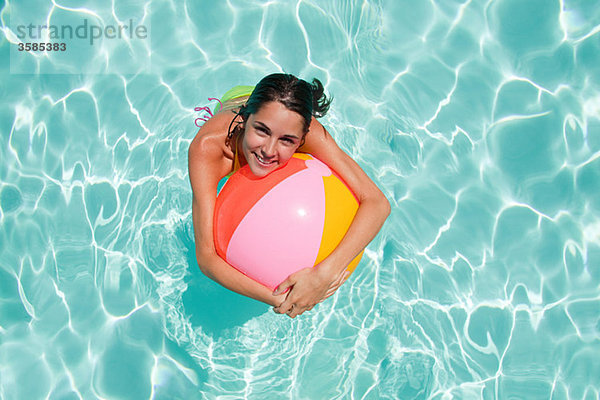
column 318, row 168
column 282, row 233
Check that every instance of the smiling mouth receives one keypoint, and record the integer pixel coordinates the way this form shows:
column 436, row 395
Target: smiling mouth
column 262, row 161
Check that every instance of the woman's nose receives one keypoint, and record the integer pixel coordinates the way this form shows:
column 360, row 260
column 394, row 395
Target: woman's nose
column 269, row 148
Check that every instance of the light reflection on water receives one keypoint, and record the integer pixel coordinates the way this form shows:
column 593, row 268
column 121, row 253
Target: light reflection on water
column 480, row 121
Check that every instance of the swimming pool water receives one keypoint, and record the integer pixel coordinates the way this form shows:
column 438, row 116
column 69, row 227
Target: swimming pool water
column 480, row 120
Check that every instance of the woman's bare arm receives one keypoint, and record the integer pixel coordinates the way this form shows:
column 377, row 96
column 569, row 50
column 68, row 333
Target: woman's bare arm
column 312, row 285
column 374, row 207
column 206, row 167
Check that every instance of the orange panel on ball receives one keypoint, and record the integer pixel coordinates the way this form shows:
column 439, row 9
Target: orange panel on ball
column 241, row 192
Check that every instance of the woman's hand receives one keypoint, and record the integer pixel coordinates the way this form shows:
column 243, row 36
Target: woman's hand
column 308, row 287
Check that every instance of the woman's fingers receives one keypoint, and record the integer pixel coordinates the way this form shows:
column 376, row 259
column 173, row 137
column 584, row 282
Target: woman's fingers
column 288, row 306
column 292, row 311
column 284, row 307
column 296, row 302
column 283, row 286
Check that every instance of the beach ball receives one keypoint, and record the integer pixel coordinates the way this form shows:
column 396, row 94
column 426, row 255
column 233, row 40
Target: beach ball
column 271, row 227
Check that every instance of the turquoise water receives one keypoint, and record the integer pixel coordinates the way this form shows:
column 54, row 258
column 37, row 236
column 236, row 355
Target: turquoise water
column 479, row 120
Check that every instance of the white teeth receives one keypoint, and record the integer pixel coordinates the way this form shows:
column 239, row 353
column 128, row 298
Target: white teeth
column 262, row 160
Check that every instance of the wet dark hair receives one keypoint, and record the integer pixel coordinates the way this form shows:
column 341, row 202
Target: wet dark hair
column 306, row 99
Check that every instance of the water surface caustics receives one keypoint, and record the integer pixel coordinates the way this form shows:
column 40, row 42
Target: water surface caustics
column 479, row 120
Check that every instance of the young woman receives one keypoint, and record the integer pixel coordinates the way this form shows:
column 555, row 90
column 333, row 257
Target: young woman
column 263, row 130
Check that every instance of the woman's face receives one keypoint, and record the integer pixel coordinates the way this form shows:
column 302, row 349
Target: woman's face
column 271, row 136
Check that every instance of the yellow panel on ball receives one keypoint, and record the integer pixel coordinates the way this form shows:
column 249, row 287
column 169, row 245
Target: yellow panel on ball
column 341, row 207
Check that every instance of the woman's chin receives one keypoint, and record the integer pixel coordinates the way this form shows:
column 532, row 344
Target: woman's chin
column 260, row 171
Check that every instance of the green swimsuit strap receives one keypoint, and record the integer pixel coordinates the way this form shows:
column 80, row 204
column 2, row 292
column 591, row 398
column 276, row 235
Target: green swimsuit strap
column 234, row 93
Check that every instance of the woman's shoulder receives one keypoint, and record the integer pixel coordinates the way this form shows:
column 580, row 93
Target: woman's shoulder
column 209, row 154
column 212, row 136
column 316, row 138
